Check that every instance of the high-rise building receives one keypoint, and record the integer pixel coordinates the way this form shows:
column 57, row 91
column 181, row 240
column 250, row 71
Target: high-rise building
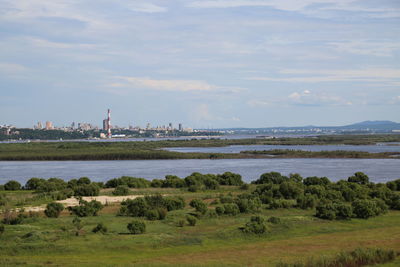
column 107, row 123
column 39, row 125
column 170, row 125
column 180, row 127
column 49, row 125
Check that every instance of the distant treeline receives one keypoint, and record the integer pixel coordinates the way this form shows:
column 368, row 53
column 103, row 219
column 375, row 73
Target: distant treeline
column 289, row 153
column 153, row 149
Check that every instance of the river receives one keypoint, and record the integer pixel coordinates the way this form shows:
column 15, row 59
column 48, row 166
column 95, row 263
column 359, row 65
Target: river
column 379, row 170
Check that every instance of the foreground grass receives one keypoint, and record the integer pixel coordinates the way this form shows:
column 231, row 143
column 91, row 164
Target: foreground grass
column 212, row 242
column 153, row 150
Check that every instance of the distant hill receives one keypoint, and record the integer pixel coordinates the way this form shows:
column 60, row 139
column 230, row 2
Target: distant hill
column 378, row 125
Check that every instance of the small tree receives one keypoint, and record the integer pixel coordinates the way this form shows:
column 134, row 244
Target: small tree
column 255, row 226
column 100, row 228
column 54, row 209
column 136, row 227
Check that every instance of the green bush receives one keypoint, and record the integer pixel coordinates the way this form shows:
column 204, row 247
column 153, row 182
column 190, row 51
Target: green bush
column 220, row 210
column 2, row 229
column 191, row 220
column 86, row 208
column 100, row 228
column 181, row 223
column 229, row 178
column 12, row 186
column 326, row 211
column 231, row 209
column 131, row 182
column 121, row 190
column 136, row 227
column 255, row 226
column 87, row 190
column 359, row 178
column 199, row 205
column 54, row 209
column 174, row 203
column 306, row 201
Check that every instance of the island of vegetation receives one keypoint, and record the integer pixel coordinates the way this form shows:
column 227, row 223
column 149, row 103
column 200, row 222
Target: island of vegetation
column 148, row 150
column 201, row 220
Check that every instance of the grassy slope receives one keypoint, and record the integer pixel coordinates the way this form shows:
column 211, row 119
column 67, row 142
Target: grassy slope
column 151, row 150
column 212, row 242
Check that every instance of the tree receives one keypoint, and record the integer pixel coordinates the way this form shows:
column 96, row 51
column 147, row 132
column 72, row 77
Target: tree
column 54, row 209
column 78, row 225
column 136, row 227
column 364, row 209
column 12, row 186
column 229, row 178
column 34, row 183
column 86, row 208
column 87, row 190
column 255, row 226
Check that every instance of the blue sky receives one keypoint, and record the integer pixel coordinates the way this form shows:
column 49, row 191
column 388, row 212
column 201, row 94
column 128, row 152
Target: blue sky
column 209, row 63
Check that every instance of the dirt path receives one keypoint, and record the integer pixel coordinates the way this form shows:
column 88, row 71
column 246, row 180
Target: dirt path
column 71, row 202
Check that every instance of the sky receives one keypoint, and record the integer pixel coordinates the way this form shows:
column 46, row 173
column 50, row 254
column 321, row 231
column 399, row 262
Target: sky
column 202, row 63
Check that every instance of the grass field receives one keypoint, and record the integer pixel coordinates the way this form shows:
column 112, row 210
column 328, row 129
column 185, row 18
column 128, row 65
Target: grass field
column 212, row 242
column 153, row 149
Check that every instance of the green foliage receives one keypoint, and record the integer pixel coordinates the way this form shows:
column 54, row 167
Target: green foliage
column 191, row 220
column 174, row 203
column 78, row 226
column 131, row 182
column 316, row 181
column 2, row 229
column 13, row 218
column 307, row 201
column 199, row 205
column 248, row 203
column 121, row 190
column 100, row 228
column 12, row 186
column 359, row 178
column 231, row 209
column 54, row 209
column 197, row 181
column 255, row 226
column 271, row 178
column 87, row 190
column 136, row 227
column 364, row 208
column 172, row 181
column 229, row 178
column 86, row 208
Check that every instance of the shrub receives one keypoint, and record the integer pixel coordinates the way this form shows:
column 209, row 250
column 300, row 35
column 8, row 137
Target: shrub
column 248, row 204
column 229, row 178
column 3, row 200
column 364, row 209
column 2, row 229
column 13, row 218
column 255, row 226
column 316, row 181
column 83, row 180
column 199, row 205
column 100, row 228
column 121, row 190
column 34, row 183
column 86, row 208
column 306, row 201
column 343, row 211
column 173, row 181
column 78, row 225
column 271, row 178
column 156, row 214
column 87, row 190
column 131, row 182
column 174, row 203
column 231, row 209
column 326, row 211
column 245, row 187
column 191, row 220
column 12, row 186
column 54, row 209
column 136, row 227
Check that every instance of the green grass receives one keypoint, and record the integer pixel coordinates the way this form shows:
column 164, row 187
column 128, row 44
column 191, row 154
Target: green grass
column 212, row 242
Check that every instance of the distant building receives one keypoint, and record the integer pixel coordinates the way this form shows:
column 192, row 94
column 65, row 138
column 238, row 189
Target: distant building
column 39, row 126
column 49, row 125
column 180, row 128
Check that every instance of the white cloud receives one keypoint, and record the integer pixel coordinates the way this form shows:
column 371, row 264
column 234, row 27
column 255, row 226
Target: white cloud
column 164, row 85
column 309, row 98
column 367, row 47
column 145, row 7
column 316, row 76
column 11, row 68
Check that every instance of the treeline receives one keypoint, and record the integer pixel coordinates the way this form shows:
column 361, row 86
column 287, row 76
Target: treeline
column 289, row 153
column 31, row 134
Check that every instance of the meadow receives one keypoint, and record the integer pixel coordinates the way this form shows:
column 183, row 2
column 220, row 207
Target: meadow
column 294, row 235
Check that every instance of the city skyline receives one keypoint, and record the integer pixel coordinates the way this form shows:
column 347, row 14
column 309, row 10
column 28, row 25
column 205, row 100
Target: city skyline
column 205, row 64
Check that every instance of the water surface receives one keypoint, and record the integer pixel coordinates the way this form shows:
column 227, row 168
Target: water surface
column 379, row 170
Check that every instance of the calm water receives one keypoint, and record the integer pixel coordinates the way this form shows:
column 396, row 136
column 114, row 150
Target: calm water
column 239, row 148
column 379, row 170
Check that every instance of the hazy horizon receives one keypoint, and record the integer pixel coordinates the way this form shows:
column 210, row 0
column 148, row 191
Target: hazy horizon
column 205, row 64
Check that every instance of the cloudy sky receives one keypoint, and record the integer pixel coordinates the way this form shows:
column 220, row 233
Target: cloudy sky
column 204, row 63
